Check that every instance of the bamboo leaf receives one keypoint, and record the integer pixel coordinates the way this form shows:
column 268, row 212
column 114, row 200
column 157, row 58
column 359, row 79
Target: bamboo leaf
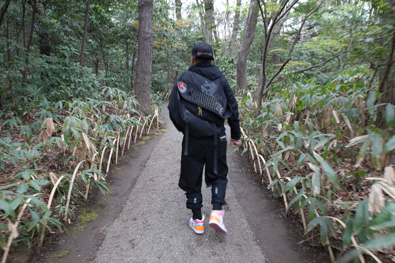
column 390, row 115
column 347, row 234
column 376, row 199
column 385, row 225
column 301, row 160
column 324, row 233
column 377, row 146
column 376, row 243
column 384, row 217
column 361, row 216
column 22, row 188
column 362, row 152
column 296, row 198
column 291, row 184
column 389, row 175
column 357, row 140
column 312, row 209
column 390, row 145
column 370, row 102
column 328, row 170
column 6, row 207
column 316, row 180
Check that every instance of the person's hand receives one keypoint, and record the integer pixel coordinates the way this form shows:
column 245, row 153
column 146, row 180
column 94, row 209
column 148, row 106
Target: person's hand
column 235, row 142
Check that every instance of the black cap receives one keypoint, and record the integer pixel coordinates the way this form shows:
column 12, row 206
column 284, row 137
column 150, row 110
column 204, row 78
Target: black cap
column 203, row 51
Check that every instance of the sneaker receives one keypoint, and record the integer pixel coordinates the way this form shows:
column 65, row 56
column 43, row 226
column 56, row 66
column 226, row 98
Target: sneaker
column 217, row 221
column 197, row 225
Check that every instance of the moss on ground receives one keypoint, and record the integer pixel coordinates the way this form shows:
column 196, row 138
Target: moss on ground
column 61, row 254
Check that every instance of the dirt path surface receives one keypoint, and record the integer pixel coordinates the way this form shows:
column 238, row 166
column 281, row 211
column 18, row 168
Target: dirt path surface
column 144, row 218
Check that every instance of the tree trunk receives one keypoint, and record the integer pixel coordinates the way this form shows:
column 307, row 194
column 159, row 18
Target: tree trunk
column 235, row 29
column 9, row 55
column 386, row 73
column 127, row 55
column 32, row 26
column 208, row 20
column 44, row 45
column 144, row 57
column 4, row 10
column 30, row 39
column 386, row 87
column 227, row 13
column 275, row 30
column 23, row 23
column 97, row 66
column 248, row 37
column 178, row 9
column 133, row 68
column 82, row 56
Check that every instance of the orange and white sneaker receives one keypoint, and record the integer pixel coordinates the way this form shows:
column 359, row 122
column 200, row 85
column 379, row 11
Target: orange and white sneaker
column 217, row 221
column 197, row 225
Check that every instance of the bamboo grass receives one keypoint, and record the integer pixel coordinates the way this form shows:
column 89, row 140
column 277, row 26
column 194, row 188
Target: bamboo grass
column 125, row 141
column 353, row 240
column 14, row 232
column 49, row 206
column 137, row 130
column 130, row 136
column 102, row 156
column 142, row 128
column 70, row 189
column 117, row 147
column 109, row 158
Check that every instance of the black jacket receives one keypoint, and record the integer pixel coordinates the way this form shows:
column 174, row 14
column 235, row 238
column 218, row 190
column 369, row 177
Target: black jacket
column 211, row 72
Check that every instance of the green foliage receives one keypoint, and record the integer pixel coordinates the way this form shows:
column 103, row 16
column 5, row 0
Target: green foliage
column 315, row 133
column 14, row 196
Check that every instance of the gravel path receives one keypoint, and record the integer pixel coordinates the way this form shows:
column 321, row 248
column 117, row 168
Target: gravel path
column 153, row 225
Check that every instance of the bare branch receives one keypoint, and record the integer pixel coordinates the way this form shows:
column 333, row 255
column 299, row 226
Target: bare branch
column 4, row 10
column 315, row 66
column 263, row 15
column 275, row 75
column 301, row 26
column 293, row 45
column 288, row 9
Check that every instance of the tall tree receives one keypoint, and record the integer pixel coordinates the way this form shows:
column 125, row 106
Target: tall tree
column 235, row 29
column 43, row 41
column 248, row 37
column 85, row 35
column 178, row 9
column 272, row 25
column 144, row 57
column 209, row 22
column 4, row 10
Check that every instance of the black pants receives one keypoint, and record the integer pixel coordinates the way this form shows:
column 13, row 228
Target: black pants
column 201, row 154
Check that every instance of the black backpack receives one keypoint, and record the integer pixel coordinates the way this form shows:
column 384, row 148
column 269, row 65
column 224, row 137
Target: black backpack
column 198, row 106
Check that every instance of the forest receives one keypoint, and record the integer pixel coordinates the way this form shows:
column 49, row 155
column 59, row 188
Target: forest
column 83, row 80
